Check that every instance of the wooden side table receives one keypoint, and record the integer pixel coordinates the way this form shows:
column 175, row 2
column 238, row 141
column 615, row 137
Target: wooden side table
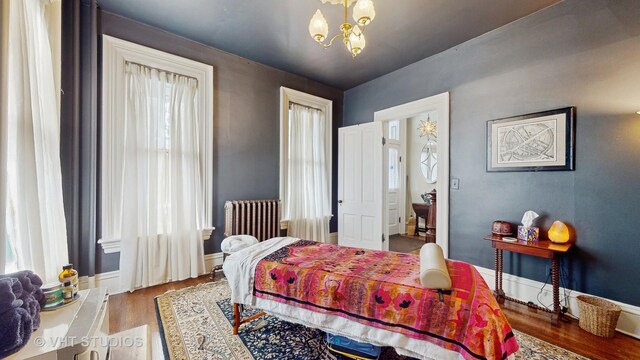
column 543, row 249
column 422, row 211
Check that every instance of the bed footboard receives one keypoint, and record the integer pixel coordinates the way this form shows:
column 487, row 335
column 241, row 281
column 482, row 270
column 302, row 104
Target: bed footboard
column 237, row 318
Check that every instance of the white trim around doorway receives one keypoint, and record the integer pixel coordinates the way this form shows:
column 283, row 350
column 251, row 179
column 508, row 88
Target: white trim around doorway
column 439, row 103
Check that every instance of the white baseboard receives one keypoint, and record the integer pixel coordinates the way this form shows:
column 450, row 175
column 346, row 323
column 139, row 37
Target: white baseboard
column 527, row 290
column 333, row 237
column 111, row 279
column 211, row 260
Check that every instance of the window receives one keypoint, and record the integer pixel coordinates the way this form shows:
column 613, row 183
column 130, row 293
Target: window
column 394, row 130
column 393, row 133
column 305, row 164
column 139, row 81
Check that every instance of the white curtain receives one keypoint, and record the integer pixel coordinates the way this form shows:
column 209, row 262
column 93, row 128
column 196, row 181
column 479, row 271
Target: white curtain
column 307, row 191
column 34, row 233
column 155, row 189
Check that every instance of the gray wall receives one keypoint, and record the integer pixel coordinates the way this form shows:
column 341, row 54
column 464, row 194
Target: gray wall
column 246, row 120
column 583, row 53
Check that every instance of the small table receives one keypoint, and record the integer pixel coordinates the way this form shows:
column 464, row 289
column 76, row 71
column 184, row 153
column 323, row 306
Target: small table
column 541, row 248
column 422, row 211
column 78, row 330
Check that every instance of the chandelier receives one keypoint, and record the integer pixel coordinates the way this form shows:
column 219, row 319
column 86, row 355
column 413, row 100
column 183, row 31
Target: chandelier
column 352, row 35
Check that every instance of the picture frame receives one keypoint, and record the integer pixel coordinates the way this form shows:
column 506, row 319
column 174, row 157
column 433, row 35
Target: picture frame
column 542, row 141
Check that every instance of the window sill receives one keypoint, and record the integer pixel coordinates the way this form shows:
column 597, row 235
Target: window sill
column 113, row 246
column 284, row 223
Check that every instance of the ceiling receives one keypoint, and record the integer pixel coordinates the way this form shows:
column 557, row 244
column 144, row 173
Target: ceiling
column 274, row 32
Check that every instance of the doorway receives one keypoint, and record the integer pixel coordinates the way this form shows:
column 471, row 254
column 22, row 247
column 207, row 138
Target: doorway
column 415, row 162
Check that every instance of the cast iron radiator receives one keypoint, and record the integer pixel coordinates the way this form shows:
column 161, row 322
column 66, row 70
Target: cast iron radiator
column 259, row 218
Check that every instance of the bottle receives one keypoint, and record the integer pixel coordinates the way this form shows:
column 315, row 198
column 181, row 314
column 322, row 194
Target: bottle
column 70, row 275
column 67, row 292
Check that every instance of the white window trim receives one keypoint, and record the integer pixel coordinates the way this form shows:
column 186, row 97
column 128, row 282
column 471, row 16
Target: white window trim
column 287, row 96
column 115, row 53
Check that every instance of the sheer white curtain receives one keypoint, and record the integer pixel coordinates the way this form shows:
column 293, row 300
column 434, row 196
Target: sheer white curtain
column 307, row 190
column 4, row 125
column 155, row 192
column 34, row 232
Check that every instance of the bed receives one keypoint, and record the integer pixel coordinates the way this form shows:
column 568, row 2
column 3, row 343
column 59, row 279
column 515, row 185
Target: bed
column 370, row 296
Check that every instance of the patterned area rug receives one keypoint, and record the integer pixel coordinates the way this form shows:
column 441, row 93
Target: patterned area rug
column 195, row 323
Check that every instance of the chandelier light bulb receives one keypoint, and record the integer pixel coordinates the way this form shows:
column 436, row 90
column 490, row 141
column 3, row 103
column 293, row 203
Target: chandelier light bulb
column 364, row 12
column 318, row 27
column 356, row 41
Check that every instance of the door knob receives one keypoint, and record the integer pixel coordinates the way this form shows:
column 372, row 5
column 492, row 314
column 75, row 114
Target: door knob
column 339, row 201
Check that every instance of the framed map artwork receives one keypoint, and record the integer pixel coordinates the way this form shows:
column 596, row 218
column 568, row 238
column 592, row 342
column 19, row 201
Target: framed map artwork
column 540, row 141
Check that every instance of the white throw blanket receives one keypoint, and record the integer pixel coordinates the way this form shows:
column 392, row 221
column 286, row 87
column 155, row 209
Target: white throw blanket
column 240, row 267
column 236, row 243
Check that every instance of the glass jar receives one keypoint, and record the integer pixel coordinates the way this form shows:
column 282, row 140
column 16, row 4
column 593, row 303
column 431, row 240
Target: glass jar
column 52, row 294
column 68, row 274
column 67, row 292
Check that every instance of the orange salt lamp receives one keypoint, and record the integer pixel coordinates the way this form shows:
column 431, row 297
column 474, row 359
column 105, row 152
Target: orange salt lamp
column 559, row 232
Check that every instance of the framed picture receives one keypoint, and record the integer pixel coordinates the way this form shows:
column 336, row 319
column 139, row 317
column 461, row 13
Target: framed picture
column 543, row 141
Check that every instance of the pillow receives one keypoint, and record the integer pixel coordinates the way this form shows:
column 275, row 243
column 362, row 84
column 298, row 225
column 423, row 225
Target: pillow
column 433, row 268
column 237, row 242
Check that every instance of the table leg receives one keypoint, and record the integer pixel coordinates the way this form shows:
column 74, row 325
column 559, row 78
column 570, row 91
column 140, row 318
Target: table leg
column 555, row 279
column 498, row 292
column 496, row 266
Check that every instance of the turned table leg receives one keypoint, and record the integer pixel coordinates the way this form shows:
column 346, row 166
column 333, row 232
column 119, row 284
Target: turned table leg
column 498, row 292
column 555, row 279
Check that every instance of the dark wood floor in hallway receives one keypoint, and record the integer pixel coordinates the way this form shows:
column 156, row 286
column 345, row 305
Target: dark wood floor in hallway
column 130, row 310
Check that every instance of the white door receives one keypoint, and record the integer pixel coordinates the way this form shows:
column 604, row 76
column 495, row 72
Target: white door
column 360, row 219
column 393, row 171
column 393, row 189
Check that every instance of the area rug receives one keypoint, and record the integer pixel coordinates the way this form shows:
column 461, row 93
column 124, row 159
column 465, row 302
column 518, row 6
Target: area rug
column 195, row 323
column 405, row 244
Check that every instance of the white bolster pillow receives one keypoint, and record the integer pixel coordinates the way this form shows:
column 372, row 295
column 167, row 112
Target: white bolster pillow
column 433, row 268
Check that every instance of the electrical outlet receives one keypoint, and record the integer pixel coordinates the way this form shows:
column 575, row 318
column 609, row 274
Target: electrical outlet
column 455, row 183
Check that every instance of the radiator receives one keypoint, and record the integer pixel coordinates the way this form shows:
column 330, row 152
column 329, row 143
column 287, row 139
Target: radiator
column 260, row 218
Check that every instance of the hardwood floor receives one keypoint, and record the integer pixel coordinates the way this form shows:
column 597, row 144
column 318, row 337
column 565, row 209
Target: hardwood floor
column 570, row 336
column 127, row 311
column 130, row 310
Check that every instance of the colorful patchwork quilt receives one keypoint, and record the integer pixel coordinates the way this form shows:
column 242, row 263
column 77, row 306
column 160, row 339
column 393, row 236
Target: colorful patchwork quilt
column 382, row 289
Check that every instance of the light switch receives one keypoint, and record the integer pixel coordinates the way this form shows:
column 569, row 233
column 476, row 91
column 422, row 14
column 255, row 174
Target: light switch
column 455, row 183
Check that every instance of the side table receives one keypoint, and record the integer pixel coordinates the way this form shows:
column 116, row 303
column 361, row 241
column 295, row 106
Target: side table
column 541, row 248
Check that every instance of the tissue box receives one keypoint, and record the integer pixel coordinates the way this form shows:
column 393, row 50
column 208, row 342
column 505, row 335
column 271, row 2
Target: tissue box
column 530, row 233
